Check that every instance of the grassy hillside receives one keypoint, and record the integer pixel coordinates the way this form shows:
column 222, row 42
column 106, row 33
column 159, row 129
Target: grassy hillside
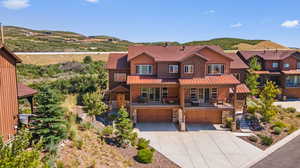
column 21, row 39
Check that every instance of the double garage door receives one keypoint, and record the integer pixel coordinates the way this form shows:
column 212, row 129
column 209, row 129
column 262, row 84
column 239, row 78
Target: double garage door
column 154, row 115
column 204, row 116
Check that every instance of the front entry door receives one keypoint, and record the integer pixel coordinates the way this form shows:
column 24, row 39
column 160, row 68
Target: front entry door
column 121, row 102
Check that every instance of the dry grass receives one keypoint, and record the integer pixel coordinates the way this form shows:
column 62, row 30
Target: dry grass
column 70, row 102
column 94, row 153
column 260, row 46
column 54, row 59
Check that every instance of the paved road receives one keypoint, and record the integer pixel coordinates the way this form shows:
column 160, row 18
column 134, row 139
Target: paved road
column 199, row 149
column 287, row 156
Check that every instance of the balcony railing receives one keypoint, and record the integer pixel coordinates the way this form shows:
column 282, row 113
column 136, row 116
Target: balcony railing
column 164, row 101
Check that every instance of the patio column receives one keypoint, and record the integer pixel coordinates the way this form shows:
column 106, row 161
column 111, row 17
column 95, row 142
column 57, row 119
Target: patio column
column 234, row 108
column 30, row 99
column 181, row 96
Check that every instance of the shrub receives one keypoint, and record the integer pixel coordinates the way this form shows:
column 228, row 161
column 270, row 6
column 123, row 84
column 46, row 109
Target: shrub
column 143, row 143
column 107, row 131
column 86, row 126
column 72, row 133
column 60, row 164
column 277, row 130
column 78, row 143
column 279, row 124
column 298, row 115
column 252, row 109
column 134, row 139
column 291, row 129
column 87, row 59
column 253, row 138
column 145, row 155
column 290, row 110
column 266, row 140
column 229, row 121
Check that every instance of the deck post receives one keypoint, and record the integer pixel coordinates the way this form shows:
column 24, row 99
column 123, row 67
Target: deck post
column 234, row 108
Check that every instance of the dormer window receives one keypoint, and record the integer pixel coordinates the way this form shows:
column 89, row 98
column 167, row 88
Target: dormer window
column 188, row 68
column 215, row 69
column 286, row 65
column 173, row 68
column 144, row 69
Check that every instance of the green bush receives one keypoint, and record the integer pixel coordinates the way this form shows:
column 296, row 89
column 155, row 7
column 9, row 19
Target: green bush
column 290, row 110
column 107, row 131
column 266, row 140
column 298, row 115
column 253, row 138
column 145, row 155
column 87, row 59
column 143, row 143
column 252, row 109
column 86, row 126
column 279, row 124
column 277, row 130
column 229, row 121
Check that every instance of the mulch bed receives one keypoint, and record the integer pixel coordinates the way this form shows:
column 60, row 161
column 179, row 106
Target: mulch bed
column 268, row 131
column 159, row 160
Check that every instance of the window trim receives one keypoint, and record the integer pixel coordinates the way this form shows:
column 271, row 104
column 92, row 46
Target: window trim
column 145, row 65
column 188, row 65
column 214, row 64
column 173, row 65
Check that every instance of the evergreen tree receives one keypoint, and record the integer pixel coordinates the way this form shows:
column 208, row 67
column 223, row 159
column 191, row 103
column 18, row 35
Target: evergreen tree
column 17, row 152
column 124, row 128
column 49, row 121
column 251, row 79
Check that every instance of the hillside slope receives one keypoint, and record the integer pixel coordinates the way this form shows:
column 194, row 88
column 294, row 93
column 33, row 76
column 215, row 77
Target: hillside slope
column 21, row 39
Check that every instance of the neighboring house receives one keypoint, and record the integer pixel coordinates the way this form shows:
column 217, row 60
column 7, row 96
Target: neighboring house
column 279, row 66
column 9, row 93
column 185, row 84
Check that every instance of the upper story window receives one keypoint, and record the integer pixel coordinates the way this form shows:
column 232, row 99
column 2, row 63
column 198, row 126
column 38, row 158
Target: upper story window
column 275, row 65
column 286, row 65
column 144, row 69
column 188, row 68
column 119, row 77
column 173, row 68
column 215, row 69
column 298, row 65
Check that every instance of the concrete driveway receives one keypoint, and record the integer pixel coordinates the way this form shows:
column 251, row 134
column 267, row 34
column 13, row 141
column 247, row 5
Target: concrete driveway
column 290, row 103
column 198, row 149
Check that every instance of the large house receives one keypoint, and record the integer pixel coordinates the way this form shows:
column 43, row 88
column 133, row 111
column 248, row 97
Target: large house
column 279, row 66
column 182, row 84
column 10, row 91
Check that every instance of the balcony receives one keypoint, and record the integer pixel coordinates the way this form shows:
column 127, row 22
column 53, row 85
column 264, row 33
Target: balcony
column 144, row 101
column 211, row 103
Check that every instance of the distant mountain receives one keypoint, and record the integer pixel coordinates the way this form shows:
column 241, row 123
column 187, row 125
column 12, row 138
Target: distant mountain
column 21, row 39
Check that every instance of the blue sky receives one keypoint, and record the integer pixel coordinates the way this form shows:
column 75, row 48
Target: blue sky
column 161, row 20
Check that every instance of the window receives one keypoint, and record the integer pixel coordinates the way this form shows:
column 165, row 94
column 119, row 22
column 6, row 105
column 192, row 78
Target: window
column 215, row 69
column 193, row 93
column 293, row 81
column 144, row 69
column 164, row 92
column 286, row 65
column 214, row 93
column 188, row 68
column 173, row 68
column 298, row 65
column 144, row 92
column 275, row 64
column 120, row 77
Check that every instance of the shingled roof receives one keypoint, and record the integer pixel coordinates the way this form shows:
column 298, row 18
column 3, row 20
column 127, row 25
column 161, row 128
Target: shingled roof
column 117, row 61
column 237, row 63
column 268, row 54
column 211, row 80
column 25, row 91
column 5, row 49
column 172, row 53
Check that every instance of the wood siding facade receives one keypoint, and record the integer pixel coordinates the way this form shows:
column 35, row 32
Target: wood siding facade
column 8, row 96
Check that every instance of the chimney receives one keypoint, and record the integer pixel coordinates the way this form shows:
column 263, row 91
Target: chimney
column 183, row 48
column 2, row 34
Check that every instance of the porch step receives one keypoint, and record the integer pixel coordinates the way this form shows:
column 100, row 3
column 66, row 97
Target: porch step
column 244, row 126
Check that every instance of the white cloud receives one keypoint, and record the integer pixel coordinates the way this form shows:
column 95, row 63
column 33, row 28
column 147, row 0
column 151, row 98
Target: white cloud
column 236, row 25
column 210, row 11
column 15, row 4
column 92, row 1
column 290, row 23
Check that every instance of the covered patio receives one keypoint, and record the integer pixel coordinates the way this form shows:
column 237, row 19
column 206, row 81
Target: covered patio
column 25, row 92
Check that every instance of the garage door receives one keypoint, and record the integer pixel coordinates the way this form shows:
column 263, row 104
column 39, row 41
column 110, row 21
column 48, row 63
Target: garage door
column 154, row 115
column 204, row 116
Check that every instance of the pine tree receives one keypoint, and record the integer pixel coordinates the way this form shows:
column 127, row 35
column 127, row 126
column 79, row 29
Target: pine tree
column 94, row 104
column 49, row 122
column 124, row 127
column 251, row 79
